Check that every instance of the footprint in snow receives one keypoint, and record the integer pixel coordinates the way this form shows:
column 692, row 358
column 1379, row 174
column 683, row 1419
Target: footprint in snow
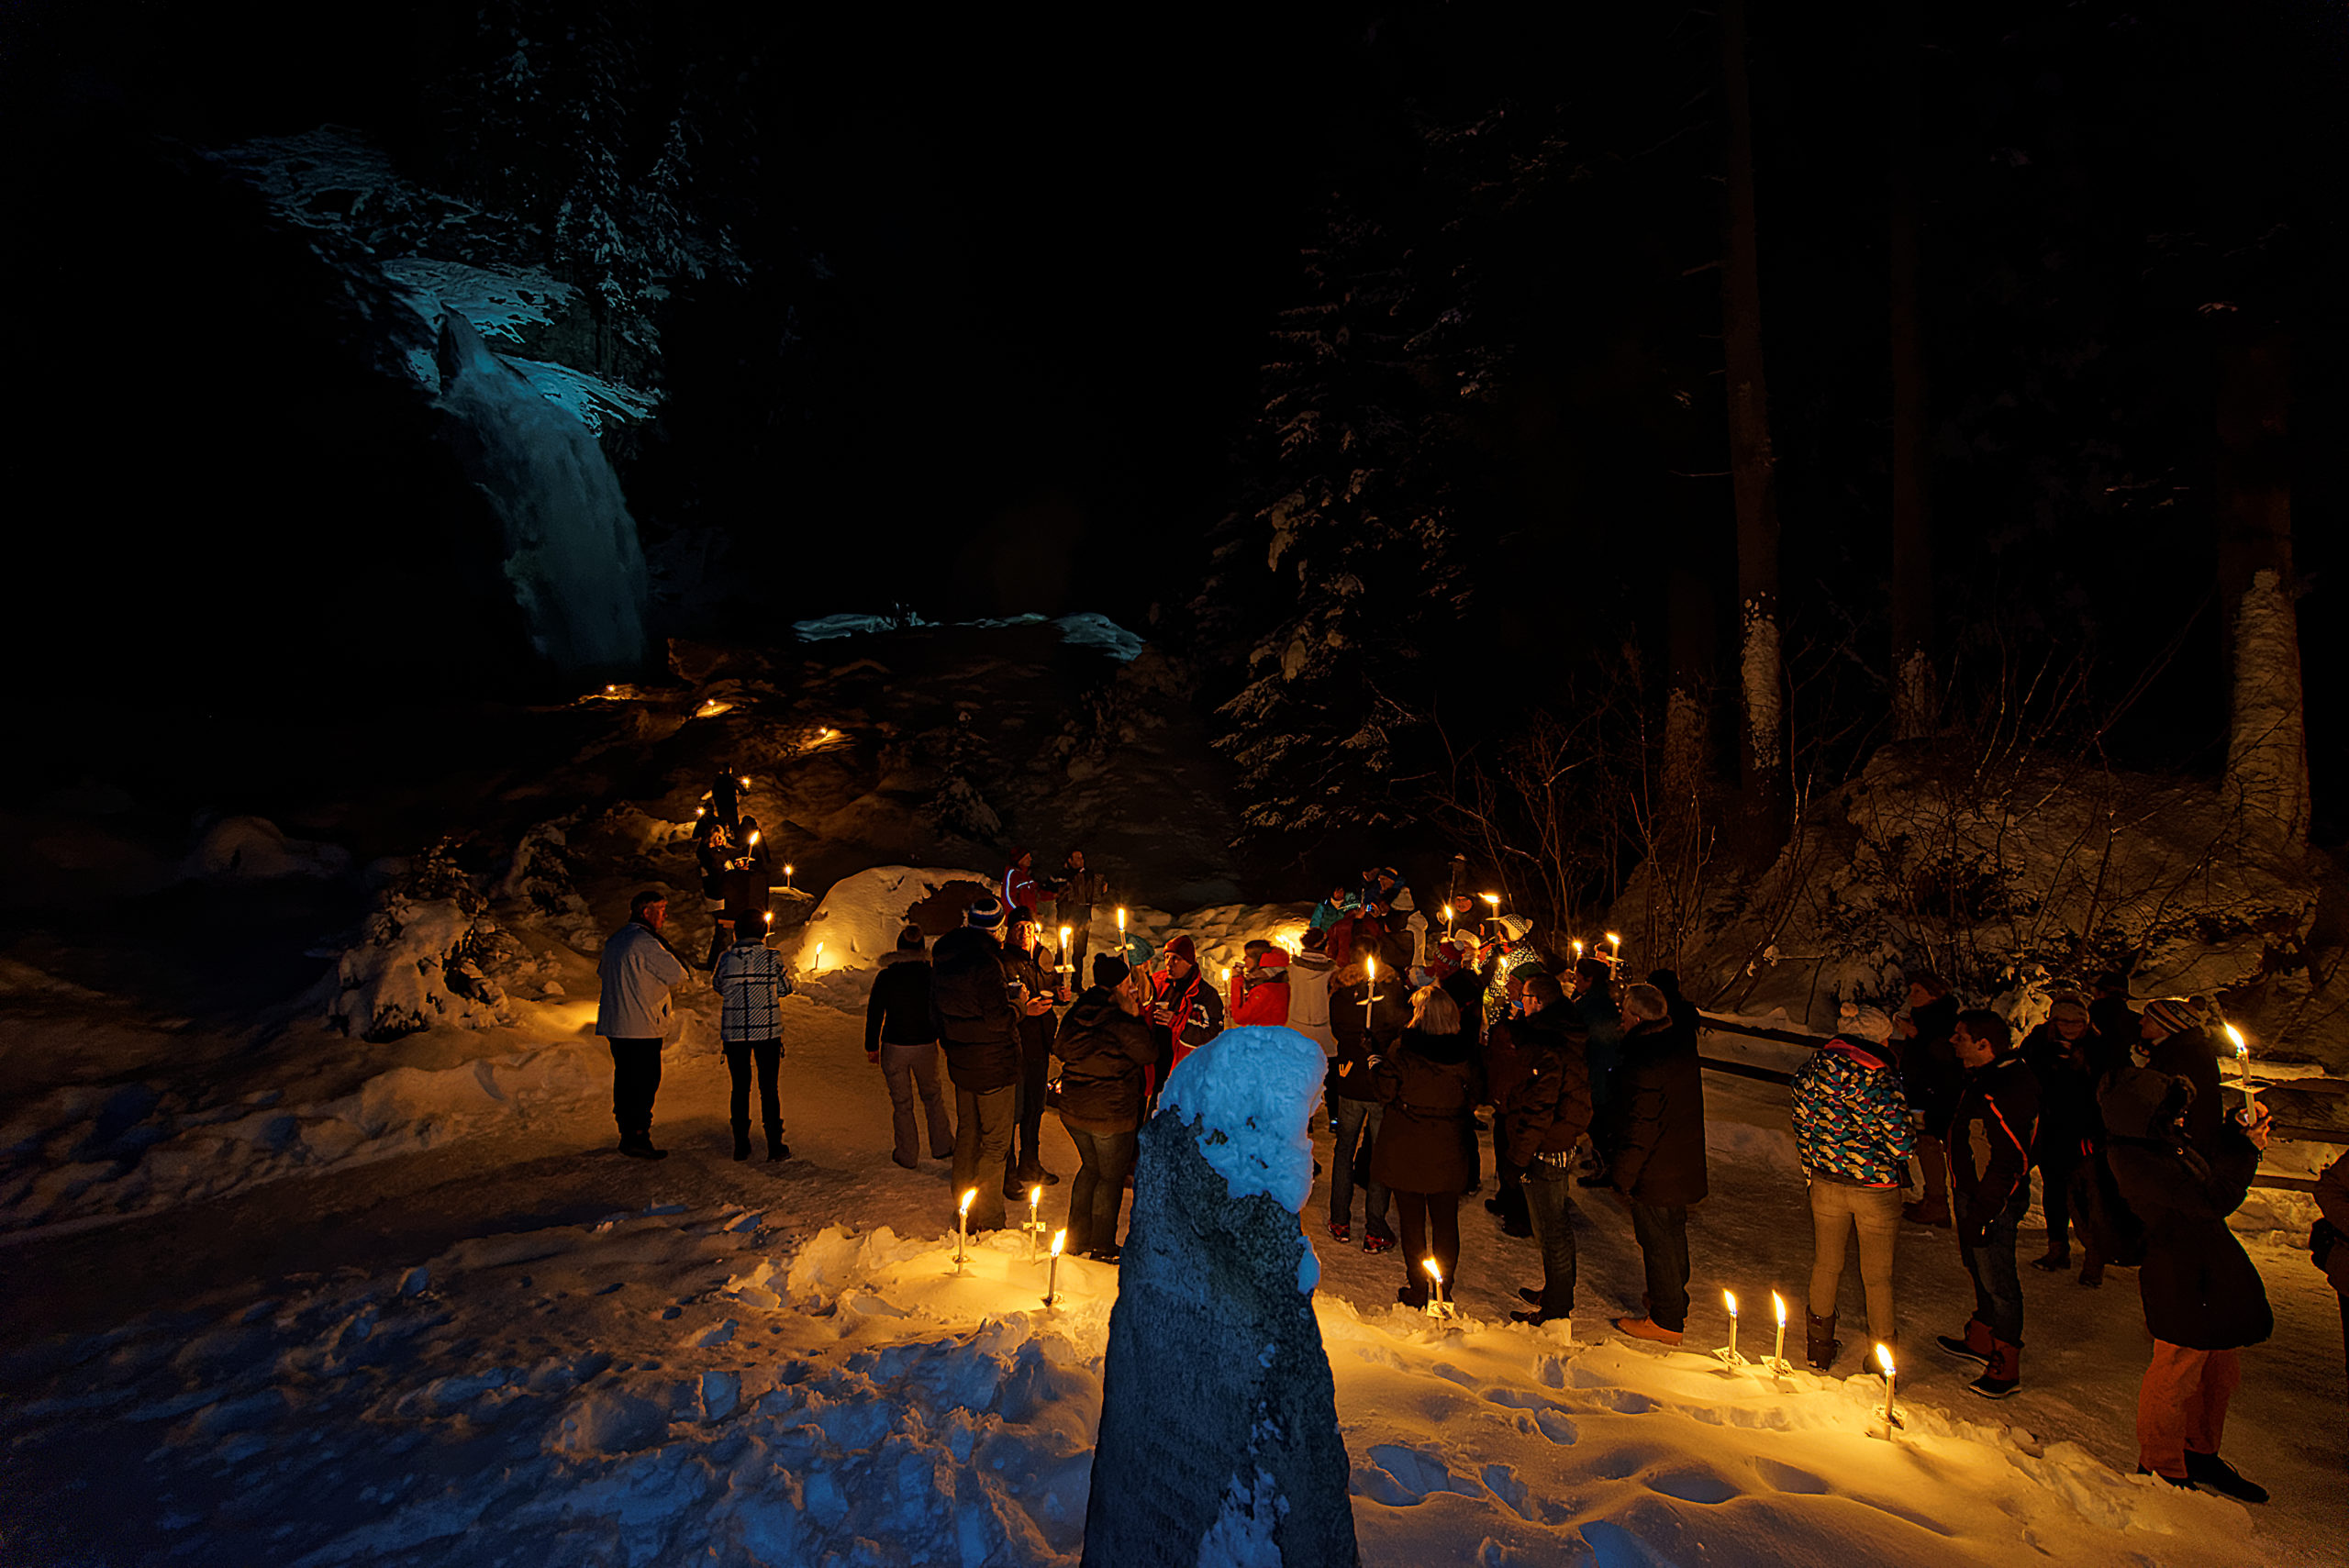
column 1401, row 1477
column 1694, row 1486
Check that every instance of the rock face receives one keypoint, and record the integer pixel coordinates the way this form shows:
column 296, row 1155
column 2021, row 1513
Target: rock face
column 1219, row 1439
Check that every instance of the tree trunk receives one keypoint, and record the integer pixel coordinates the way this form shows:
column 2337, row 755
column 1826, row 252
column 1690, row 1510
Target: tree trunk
column 1762, row 770
column 1915, row 699
column 1690, row 635
column 2267, row 767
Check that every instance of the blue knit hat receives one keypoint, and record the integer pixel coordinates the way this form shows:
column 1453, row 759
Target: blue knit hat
column 986, row 914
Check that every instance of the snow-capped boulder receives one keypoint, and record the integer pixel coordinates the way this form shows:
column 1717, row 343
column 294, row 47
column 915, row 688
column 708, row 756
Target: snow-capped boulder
column 253, row 849
column 418, row 962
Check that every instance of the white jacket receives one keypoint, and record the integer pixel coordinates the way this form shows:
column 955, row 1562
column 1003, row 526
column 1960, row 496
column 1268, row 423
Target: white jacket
column 1308, row 998
column 638, row 970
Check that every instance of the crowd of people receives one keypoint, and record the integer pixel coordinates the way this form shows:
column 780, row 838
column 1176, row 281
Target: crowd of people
column 1590, row 1083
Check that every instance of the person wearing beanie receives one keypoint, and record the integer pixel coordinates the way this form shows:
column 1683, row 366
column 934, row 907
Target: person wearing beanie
column 2177, row 1035
column 1019, row 889
column 979, row 1026
column 1854, row 1137
column 638, row 971
column 1186, row 1012
column 2203, row 1297
column 1930, row 1077
column 901, row 1039
column 985, row 914
column 2068, row 1057
column 1264, row 1002
column 1430, row 1084
column 1990, row 1137
column 1542, row 1115
column 1106, row 1051
column 1658, row 1164
column 1027, row 972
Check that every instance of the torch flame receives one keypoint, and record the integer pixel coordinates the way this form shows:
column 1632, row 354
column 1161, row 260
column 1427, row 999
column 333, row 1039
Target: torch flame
column 1060, row 1240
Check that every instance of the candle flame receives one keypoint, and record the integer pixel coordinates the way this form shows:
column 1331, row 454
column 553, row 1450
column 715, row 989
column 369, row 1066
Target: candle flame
column 1035, row 1195
column 743, row 782
column 1732, row 1303
column 2243, row 1047
column 1780, row 1303
column 754, row 835
column 1577, row 950
column 1613, row 939
column 769, row 917
column 1883, row 1357
column 968, row 1195
column 1434, row 1272
column 787, row 867
column 1065, row 930
column 1370, row 967
column 1121, row 917
column 1492, row 898
column 1060, row 1240
column 701, row 811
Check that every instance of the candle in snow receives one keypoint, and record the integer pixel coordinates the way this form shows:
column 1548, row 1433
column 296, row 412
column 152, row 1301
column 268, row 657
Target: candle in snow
column 1052, row 1273
column 786, row 874
column 1731, row 1300
column 1884, row 1360
column 819, row 957
column 1035, row 1196
column 1778, row 1350
column 1435, row 1276
column 962, row 1223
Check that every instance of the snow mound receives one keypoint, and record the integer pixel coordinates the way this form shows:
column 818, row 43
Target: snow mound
column 415, row 967
column 1085, row 631
column 1221, row 932
column 859, row 918
column 1252, row 1092
column 253, row 849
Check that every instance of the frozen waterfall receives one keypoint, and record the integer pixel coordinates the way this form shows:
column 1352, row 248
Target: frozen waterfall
column 571, row 547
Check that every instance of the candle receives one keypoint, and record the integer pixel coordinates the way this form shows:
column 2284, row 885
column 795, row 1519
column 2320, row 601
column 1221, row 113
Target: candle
column 1065, row 965
column 755, row 838
column 744, row 783
column 769, row 918
column 819, row 957
column 1035, row 1196
column 1731, row 1301
column 1053, row 1273
column 1616, row 943
column 1435, row 1278
column 1778, row 1350
column 701, row 811
column 1577, row 952
column 962, row 1223
column 2243, row 1061
column 786, row 874
column 1884, row 1360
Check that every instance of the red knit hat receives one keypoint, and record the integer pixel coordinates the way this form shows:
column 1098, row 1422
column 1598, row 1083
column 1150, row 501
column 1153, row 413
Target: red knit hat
column 1181, row 948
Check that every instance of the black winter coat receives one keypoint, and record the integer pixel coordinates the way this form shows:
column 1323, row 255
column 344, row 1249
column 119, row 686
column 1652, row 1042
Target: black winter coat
column 1659, row 1155
column 972, row 1008
column 1431, row 1083
column 1929, row 1074
column 2190, row 1054
column 1547, row 1109
column 2200, row 1289
column 1104, row 1051
column 897, row 1010
column 2068, row 1073
column 1389, row 1017
column 1990, row 1137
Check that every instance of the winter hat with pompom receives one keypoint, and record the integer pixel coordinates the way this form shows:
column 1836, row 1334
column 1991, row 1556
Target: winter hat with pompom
column 2174, row 1014
column 1870, row 1023
column 986, row 914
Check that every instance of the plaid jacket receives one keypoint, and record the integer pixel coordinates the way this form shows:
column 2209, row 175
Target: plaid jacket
column 751, row 979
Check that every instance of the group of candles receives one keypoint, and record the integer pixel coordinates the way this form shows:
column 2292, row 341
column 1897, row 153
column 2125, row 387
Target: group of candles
column 1034, row 1227
column 1778, row 1362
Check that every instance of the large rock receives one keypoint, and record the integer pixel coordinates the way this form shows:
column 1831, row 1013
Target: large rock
column 1219, row 1439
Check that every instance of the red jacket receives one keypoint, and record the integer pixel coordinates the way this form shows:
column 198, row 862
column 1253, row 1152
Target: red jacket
column 1019, row 888
column 1266, row 1000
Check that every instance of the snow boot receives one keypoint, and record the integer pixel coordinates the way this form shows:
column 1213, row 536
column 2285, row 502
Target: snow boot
column 639, row 1146
column 1647, row 1329
column 1927, row 1211
column 2056, row 1261
column 741, row 1141
column 2209, row 1470
column 2003, row 1375
column 1823, row 1343
column 1977, row 1345
column 777, row 1148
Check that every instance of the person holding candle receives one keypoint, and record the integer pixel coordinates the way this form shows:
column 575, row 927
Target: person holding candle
column 1105, row 1048
column 1430, row 1084
column 1029, row 968
column 2176, row 1033
column 2203, row 1297
column 1541, row 1117
column 1854, row 1137
column 1989, row 1138
column 1081, row 888
column 1365, row 1024
column 1657, row 1165
column 901, row 1039
column 978, row 1023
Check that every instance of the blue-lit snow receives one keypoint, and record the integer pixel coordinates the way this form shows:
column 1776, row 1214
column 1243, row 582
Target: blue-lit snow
column 1083, row 631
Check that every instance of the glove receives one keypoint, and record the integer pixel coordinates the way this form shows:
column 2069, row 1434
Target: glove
column 872, row 1057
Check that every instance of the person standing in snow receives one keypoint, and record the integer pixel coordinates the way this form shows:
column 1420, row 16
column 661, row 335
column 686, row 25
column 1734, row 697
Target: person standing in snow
column 1026, row 968
column 1080, row 889
column 1657, row 1167
column 1021, row 892
column 1593, row 1000
column 1366, row 1025
column 1854, row 1137
column 979, row 1025
column 1541, row 1115
column 751, row 982
column 1186, row 1012
column 901, row 1039
column 1105, row 1048
column 2203, row 1297
column 1309, row 975
column 2177, row 1034
column 633, row 1014
column 1430, row 1084
column 1929, row 1077
column 1989, row 1137
column 1509, row 1049
column 2069, row 1060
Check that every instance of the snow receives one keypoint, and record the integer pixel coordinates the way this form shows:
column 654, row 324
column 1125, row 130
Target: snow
column 858, row 919
column 253, row 849
column 1252, row 1091
column 1083, row 631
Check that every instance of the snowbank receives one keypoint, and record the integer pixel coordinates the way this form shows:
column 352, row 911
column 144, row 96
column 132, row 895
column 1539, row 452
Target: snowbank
column 253, row 849
column 1252, row 1092
column 859, row 918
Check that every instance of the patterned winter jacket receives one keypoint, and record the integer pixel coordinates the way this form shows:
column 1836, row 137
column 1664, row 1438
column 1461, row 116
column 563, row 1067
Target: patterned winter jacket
column 1851, row 1119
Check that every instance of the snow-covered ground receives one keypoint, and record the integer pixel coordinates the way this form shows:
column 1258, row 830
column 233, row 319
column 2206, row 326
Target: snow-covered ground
column 519, row 1347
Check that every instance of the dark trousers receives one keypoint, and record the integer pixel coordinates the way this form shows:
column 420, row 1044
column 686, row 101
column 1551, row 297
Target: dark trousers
column 1079, row 919
column 981, row 1142
column 1509, row 1179
column 1431, row 1223
column 2056, row 1200
column 768, row 1054
column 1104, row 1161
column 1547, row 1195
column 1663, row 1235
column 636, row 1078
column 1035, row 1060
column 1998, row 1293
column 1358, row 1123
